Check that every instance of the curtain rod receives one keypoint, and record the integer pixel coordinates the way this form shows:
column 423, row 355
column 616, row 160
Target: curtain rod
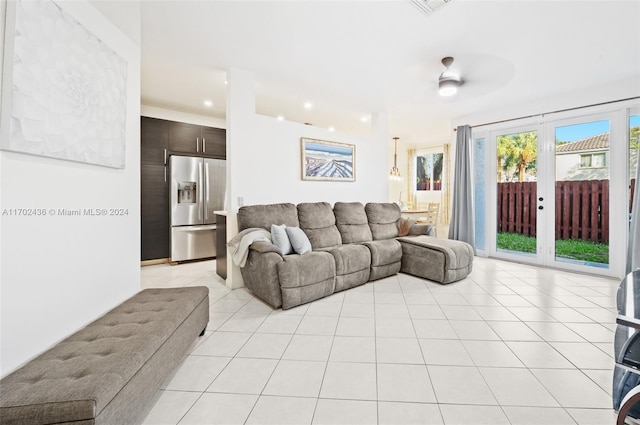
column 553, row 112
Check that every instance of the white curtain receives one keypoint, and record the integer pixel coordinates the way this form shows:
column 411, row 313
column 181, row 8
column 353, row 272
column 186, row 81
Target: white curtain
column 461, row 226
column 633, row 250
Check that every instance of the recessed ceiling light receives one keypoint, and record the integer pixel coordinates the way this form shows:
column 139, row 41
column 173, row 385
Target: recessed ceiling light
column 332, row 128
column 208, row 103
column 308, row 105
column 280, row 118
column 364, row 118
column 226, row 82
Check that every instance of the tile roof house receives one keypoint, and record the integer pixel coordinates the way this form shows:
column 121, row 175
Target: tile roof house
column 587, row 159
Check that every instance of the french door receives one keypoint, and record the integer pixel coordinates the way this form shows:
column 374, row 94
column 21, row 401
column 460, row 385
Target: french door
column 551, row 196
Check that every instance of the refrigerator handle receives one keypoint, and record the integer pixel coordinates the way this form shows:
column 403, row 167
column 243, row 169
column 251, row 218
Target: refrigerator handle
column 206, row 190
column 201, row 190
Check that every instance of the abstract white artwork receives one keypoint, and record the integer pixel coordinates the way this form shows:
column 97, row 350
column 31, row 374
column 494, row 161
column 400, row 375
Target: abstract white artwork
column 64, row 90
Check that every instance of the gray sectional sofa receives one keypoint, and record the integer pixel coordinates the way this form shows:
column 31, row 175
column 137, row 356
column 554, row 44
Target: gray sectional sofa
column 351, row 244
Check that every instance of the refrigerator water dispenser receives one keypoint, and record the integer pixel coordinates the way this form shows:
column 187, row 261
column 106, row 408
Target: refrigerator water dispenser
column 186, row 192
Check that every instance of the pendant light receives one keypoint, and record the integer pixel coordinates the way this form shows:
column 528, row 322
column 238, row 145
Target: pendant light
column 394, row 174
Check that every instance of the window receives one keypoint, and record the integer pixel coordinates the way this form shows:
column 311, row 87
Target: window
column 429, row 171
column 593, row 160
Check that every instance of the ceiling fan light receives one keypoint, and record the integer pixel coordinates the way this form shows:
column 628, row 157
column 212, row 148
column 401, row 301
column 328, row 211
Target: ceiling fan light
column 448, row 87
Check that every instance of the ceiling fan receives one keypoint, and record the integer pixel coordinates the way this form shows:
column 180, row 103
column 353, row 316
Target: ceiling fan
column 449, row 80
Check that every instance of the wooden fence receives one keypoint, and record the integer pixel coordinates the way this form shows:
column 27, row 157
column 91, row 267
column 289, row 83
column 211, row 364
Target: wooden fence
column 582, row 209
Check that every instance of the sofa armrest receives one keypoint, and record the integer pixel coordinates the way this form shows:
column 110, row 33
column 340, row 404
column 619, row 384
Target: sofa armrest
column 260, row 274
column 264, row 247
column 422, row 229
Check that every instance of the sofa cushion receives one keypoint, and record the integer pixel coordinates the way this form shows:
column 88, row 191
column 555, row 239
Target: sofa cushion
column 385, row 258
column 299, row 240
column 319, row 223
column 353, row 262
column 266, row 215
column 383, row 218
column 305, row 278
column 352, row 223
column 384, row 252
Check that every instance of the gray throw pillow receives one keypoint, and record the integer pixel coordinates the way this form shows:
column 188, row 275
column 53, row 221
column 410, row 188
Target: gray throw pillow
column 299, row 240
column 280, row 239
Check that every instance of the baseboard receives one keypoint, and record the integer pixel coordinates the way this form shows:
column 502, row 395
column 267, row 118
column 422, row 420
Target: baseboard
column 154, row 262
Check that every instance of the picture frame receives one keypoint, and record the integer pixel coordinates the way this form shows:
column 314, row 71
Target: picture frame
column 327, row 161
column 70, row 104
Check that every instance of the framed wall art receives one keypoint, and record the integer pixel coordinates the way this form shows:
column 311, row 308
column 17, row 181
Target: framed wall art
column 329, row 161
column 64, row 91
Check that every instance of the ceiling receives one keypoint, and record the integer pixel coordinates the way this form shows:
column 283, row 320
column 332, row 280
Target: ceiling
column 354, row 58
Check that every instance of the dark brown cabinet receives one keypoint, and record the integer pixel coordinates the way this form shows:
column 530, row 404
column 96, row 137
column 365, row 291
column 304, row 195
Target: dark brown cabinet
column 191, row 138
column 221, row 245
column 185, row 137
column 154, row 140
column 159, row 139
column 154, row 212
column 214, row 141
column 154, row 189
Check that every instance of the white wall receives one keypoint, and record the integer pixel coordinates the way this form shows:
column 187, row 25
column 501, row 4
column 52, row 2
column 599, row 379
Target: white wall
column 270, row 168
column 59, row 273
column 264, row 159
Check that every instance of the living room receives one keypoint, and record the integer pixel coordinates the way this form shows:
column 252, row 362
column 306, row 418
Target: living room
column 530, row 58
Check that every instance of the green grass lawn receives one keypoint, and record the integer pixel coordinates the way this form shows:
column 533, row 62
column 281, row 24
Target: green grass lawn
column 571, row 249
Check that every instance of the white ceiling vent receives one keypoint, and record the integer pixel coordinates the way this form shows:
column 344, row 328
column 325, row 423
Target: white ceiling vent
column 429, row 6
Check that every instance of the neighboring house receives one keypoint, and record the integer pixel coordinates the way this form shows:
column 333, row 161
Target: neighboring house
column 585, row 159
column 588, row 159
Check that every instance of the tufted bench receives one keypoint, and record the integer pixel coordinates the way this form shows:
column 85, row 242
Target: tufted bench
column 109, row 371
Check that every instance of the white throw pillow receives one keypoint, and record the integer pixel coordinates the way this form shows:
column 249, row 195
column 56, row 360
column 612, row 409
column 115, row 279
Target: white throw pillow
column 299, row 240
column 280, row 239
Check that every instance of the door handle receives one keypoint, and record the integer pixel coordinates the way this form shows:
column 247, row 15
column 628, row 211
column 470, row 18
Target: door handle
column 197, row 144
column 200, row 190
column 205, row 186
column 204, row 145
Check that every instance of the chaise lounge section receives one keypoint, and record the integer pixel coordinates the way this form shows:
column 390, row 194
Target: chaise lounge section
column 351, row 244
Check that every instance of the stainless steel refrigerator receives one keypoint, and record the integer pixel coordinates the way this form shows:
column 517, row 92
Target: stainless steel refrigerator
column 197, row 190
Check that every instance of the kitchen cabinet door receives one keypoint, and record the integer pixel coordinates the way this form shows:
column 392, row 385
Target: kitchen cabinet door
column 221, row 245
column 215, row 142
column 154, row 211
column 185, row 137
column 154, row 139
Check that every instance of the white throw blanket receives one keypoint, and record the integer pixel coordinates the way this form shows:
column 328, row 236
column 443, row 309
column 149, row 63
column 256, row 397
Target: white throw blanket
column 242, row 241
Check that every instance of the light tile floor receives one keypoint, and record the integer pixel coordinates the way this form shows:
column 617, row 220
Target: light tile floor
column 511, row 344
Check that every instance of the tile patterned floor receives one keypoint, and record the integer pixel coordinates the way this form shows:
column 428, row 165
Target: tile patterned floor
column 511, row 344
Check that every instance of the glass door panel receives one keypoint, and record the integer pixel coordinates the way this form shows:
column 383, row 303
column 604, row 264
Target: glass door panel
column 582, row 194
column 516, row 180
